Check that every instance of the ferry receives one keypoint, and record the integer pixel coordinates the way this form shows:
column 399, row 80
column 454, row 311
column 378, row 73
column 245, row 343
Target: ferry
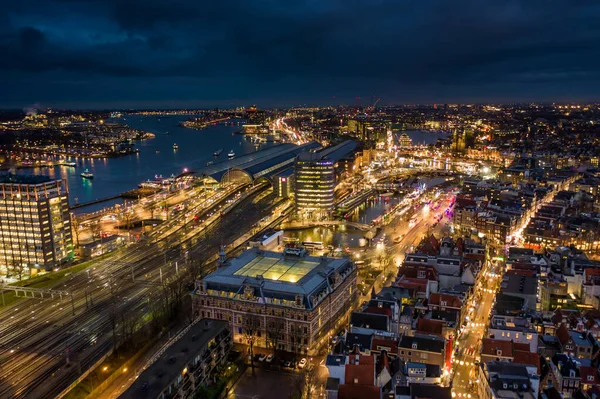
column 87, row 174
column 231, row 154
column 175, row 146
column 218, row 152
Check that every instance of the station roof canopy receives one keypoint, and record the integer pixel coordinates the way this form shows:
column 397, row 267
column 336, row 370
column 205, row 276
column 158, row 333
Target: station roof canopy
column 334, row 153
column 264, row 163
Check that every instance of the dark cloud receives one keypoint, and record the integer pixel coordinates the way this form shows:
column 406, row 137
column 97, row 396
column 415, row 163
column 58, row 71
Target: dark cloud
column 280, row 52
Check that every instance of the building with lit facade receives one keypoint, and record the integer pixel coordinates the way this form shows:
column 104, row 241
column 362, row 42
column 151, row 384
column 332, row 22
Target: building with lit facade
column 34, row 222
column 315, row 180
column 405, row 140
column 288, row 301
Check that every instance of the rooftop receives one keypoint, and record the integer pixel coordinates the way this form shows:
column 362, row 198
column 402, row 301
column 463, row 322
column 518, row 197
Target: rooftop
column 170, row 364
column 274, row 276
column 9, row 178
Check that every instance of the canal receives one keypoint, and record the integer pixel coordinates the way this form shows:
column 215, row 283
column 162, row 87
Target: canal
column 343, row 236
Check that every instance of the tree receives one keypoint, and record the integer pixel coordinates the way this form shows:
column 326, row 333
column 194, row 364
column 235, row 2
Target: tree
column 250, row 332
column 127, row 217
column 296, row 334
column 153, row 208
column 18, row 268
column 275, row 330
column 75, row 226
column 96, row 230
column 306, row 386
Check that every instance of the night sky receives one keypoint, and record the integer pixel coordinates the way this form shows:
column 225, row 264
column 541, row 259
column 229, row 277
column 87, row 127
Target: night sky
column 176, row 53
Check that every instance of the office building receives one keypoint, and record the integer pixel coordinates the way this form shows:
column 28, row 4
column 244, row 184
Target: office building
column 315, row 180
column 34, row 222
column 291, row 301
column 191, row 362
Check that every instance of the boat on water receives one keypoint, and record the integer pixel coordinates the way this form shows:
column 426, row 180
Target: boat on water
column 65, row 163
column 231, row 154
column 218, row 152
column 175, row 146
column 209, row 163
column 87, row 174
column 158, row 182
column 166, row 133
column 158, row 151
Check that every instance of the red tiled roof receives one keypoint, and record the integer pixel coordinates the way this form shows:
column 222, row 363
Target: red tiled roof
column 526, row 357
column 562, row 334
column 591, row 275
column 522, row 272
column 412, row 271
column 419, row 285
column 358, row 392
column 376, row 310
column 430, row 246
column 452, row 301
column 362, row 359
column 519, row 346
column 364, row 374
column 490, row 346
column 428, row 326
column 385, row 343
column 589, row 372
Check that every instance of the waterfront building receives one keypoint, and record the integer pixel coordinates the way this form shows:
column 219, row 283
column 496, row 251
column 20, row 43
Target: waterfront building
column 34, row 222
column 193, row 361
column 286, row 301
column 315, row 180
column 405, row 140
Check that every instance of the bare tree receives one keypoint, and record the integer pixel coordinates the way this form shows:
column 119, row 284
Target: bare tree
column 18, row 269
column 275, row 329
column 306, row 385
column 296, row 335
column 75, row 224
column 250, row 333
column 153, row 208
column 96, row 230
column 127, row 217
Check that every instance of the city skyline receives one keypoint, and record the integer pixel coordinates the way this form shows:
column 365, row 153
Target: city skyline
column 64, row 54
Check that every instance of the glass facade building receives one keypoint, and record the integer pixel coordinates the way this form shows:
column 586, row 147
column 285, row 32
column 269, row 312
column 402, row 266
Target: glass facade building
column 35, row 224
column 314, row 185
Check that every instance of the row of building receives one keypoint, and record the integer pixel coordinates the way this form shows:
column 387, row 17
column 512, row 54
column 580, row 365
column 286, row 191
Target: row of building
column 499, row 209
column 531, row 351
column 400, row 343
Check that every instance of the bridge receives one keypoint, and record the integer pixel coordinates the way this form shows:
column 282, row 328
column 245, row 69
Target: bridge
column 307, row 224
column 28, row 292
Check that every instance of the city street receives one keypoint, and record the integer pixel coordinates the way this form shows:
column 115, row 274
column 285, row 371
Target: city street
column 468, row 345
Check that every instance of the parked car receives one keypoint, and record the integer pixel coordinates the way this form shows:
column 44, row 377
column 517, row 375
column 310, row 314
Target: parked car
column 269, row 358
column 287, row 364
column 302, row 363
column 262, row 358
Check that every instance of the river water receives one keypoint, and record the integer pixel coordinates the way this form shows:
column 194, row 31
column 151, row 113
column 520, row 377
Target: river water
column 156, row 156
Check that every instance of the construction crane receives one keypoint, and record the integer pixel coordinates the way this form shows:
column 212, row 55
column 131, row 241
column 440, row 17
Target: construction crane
column 374, row 103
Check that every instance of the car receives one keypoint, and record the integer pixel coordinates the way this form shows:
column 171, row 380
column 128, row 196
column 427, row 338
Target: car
column 335, row 340
column 287, row 364
column 302, row 363
column 262, row 358
column 269, row 358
